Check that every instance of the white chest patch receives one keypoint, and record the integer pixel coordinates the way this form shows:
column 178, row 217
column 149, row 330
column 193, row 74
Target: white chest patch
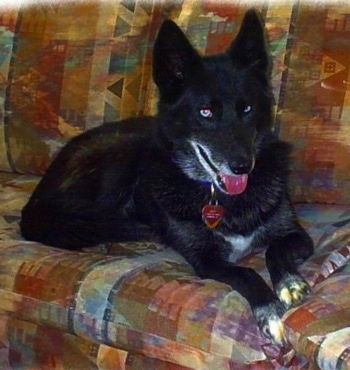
column 240, row 246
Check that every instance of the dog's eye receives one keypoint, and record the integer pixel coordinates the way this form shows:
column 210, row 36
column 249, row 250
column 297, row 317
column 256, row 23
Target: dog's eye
column 242, row 107
column 247, row 109
column 206, row 113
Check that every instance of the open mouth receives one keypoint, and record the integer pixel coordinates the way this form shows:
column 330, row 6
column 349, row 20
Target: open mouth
column 230, row 183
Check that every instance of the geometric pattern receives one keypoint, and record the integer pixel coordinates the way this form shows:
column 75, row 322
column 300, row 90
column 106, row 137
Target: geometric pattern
column 60, row 77
column 141, row 307
column 66, row 67
column 317, row 104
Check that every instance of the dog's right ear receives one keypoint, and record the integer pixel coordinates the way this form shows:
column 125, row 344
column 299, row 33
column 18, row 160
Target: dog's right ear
column 174, row 61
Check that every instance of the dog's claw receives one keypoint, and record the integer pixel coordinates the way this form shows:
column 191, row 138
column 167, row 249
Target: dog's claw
column 292, row 290
column 270, row 322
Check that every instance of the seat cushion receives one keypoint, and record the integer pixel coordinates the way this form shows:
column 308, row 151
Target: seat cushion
column 141, row 304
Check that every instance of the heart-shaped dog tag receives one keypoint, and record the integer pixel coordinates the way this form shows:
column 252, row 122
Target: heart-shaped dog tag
column 212, row 215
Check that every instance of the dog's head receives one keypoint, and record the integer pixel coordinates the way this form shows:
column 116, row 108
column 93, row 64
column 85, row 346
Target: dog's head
column 213, row 110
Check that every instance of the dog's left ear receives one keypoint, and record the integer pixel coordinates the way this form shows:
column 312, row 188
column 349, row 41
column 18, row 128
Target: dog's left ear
column 249, row 48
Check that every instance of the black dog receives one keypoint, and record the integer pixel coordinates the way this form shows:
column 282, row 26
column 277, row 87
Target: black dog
column 206, row 176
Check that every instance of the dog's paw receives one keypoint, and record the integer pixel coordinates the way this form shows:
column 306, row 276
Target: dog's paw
column 292, row 290
column 269, row 319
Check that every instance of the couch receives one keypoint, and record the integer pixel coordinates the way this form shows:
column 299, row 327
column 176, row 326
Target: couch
column 68, row 66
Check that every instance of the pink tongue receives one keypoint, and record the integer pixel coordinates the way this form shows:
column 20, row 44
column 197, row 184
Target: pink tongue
column 235, row 184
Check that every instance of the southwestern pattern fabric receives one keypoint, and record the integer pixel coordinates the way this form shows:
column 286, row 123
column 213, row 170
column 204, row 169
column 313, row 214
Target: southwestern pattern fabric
column 141, row 307
column 68, row 67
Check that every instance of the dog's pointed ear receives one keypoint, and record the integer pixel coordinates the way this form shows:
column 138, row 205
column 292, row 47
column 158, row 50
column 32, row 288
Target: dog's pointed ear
column 249, row 48
column 174, row 61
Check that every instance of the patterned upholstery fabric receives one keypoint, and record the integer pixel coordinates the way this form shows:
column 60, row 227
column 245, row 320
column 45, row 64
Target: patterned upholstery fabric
column 66, row 67
column 141, row 306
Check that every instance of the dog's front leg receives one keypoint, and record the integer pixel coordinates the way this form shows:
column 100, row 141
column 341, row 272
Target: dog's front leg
column 266, row 308
column 197, row 245
column 281, row 259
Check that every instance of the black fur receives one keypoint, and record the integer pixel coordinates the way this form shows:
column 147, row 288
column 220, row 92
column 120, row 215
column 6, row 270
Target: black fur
column 150, row 177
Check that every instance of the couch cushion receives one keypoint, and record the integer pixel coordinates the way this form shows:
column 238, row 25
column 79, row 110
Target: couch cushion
column 316, row 103
column 69, row 67
column 142, row 305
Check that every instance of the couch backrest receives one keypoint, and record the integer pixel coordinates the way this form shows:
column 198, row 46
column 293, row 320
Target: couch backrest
column 67, row 67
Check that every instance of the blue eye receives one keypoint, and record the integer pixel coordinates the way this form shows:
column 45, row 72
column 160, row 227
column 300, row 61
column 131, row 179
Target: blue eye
column 247, row 109
column 206, row 113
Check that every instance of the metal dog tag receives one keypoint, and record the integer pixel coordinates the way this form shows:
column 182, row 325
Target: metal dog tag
column 212, row 213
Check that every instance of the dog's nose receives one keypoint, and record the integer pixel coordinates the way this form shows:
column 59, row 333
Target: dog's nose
column 242, row 167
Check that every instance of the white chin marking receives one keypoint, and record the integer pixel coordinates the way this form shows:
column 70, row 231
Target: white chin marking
column 207, row 164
